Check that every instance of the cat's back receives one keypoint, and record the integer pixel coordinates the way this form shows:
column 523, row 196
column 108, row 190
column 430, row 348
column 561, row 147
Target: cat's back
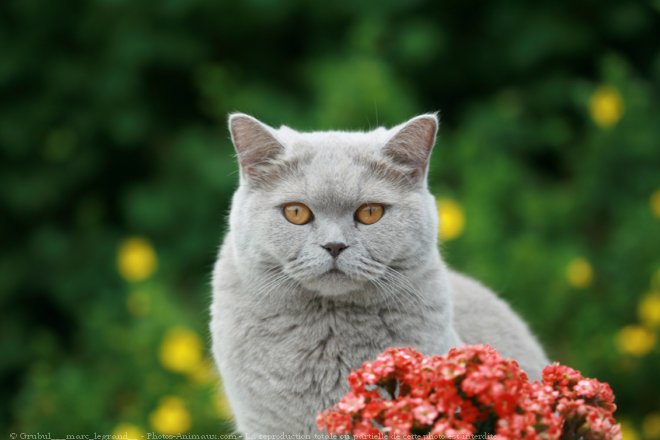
column 481, row 317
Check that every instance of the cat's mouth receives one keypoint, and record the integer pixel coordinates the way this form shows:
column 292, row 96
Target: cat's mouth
column 334, row 271
column 328, row 278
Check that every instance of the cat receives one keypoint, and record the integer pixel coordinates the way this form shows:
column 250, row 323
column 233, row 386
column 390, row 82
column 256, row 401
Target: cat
column 331, row 257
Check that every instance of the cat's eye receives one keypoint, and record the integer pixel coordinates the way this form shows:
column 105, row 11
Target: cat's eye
column 297, row 213
column 369, row 213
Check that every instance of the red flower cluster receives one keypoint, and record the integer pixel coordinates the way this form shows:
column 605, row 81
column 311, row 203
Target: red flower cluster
column 471, row 390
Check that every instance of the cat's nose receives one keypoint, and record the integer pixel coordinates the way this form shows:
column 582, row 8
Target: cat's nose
column 334, row 248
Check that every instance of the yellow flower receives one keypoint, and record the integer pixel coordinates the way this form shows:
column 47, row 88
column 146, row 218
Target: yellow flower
column 181, row 350
column 138, row 303
column 606, row 106
column 579, row 273
column 635, row 340
column 651, row 426
column 655, row 203
column 128, row 431
column 222, row 406
column 649, row 309
column 628, row 431
column 136, row 259
column 452, row 219
column 171, row 416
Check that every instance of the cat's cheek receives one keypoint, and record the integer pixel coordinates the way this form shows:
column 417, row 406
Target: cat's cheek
column 288, row 241
column 398, row 239
column 380, row 241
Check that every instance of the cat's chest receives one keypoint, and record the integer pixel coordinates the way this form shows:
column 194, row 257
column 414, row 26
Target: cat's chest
column 323, row 333
column 319, row 346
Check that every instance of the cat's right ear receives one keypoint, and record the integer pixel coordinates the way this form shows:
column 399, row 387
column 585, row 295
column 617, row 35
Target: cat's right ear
column 255, row 144
column 410, row 146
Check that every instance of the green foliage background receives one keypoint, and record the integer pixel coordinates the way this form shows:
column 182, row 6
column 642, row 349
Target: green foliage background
column 112, row 125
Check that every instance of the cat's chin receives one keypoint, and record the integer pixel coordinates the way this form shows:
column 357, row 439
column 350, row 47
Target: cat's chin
column 333, row 283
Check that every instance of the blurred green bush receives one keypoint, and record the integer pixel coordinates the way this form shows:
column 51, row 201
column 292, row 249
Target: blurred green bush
column 117, row 171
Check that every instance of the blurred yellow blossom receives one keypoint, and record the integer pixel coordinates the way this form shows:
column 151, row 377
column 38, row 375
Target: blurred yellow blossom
column 635, row 340
column 181, row 350
column 628, row 432
column 136, row 259
column 222, row 405
column 452, row 219
column 171, row 416
column 655, row 203
column 579, row 273
column 128, row 431
column 138, row 302
column 649, row 309
column 651, row 426
column 606, row 106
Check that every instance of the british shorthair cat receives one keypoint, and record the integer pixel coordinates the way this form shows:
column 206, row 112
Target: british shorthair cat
column 331, row 257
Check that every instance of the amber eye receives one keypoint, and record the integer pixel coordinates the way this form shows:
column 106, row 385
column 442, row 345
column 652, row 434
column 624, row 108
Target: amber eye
column 369, row 213
column 297, row 213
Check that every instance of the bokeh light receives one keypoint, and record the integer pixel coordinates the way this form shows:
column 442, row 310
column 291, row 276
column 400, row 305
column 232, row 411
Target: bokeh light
column 579, row 273
column 171, row 416
column 635, row 340
column 451, row 219
column 655, row 203
column 649, row 309
column 651, row 426
column 129, row 431
column 606, row 106
column 136, row 259
column 181, row 350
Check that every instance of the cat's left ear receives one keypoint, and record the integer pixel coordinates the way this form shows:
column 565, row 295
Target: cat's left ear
column 412, row 142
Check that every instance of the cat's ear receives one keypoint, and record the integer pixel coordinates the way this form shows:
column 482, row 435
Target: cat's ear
column 412, row 142
column 255, row 144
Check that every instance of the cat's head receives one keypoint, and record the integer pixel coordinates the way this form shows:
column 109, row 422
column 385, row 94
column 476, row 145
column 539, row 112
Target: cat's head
column 334, row 210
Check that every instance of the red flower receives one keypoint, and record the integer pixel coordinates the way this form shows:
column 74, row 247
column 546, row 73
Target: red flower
column 339, row 422
column 470, row 390
column 366, row 431
column 425, row 413
column 351, row 403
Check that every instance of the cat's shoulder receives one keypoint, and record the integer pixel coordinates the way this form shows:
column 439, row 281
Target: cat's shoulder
column 465, row 287
column 470, row 296
column 481, row 317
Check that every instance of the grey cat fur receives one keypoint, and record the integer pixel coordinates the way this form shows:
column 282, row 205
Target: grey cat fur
column 286, row 331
